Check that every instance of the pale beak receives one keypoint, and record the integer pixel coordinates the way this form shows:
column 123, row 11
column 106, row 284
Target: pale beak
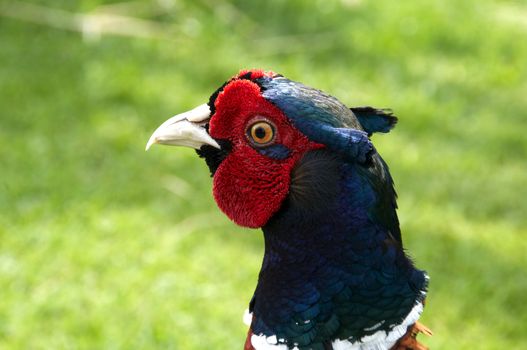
column 185, row 129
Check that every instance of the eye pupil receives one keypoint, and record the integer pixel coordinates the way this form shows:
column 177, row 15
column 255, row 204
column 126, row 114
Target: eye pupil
column 259, row 132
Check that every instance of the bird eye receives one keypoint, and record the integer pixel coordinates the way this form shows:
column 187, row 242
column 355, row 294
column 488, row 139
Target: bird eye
column 261, row 133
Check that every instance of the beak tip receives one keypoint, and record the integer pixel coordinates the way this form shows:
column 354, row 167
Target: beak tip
column 150, row 143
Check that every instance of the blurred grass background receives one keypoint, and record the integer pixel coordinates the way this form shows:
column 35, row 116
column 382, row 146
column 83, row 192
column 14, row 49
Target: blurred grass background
column 104, row 246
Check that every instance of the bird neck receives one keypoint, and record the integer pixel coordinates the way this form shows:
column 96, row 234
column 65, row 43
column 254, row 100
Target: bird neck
column 343, row 219
column 321, row 259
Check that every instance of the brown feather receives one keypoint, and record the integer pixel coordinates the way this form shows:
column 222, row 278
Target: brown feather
column 409, row 340
column 248, row 345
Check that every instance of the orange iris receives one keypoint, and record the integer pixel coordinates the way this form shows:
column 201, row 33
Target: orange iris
column 261, row 133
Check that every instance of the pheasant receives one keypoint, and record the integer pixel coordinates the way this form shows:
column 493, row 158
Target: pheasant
column 299, row 164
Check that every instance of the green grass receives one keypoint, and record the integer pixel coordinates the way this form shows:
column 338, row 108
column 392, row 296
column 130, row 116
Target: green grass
column 104, row 246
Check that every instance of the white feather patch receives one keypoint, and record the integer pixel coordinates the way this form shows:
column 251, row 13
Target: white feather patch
column 261, row 342
column 379, row 340
column 247, row 317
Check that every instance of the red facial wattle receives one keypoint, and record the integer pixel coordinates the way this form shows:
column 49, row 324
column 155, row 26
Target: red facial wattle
column 248, row 186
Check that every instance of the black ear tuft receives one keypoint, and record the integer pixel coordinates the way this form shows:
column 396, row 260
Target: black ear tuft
column 375, row 120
